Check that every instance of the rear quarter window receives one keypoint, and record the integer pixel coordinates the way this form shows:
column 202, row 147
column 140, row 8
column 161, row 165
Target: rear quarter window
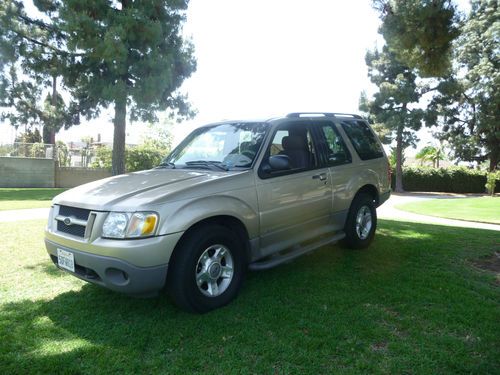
column 363, row 139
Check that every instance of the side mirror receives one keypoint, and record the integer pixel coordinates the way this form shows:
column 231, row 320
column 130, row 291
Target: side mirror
column 277, row 163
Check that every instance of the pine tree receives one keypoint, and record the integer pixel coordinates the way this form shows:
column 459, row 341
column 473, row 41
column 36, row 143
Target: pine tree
column 393, row 105
column 468, row 102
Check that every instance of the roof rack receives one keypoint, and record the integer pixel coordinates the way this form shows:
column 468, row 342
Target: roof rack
column 319, row 114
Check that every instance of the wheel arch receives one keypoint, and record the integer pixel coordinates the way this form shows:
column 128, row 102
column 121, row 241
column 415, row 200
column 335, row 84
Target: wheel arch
column 230, row 222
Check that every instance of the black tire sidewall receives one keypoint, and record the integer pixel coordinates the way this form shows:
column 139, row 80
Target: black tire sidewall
column 184, row 280
column 352, row 240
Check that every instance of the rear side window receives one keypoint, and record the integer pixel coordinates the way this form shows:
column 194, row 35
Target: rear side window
column 363, row 139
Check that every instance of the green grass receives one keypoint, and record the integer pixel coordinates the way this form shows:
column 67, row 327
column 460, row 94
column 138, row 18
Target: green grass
column 411, row 303
column 482, row 209
column 16, row 199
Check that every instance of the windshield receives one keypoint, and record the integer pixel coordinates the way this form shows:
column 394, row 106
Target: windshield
column 223, row 146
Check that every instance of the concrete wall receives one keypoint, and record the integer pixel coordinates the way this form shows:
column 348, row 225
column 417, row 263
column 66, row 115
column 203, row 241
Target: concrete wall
column 27, row 172
column 68, row 177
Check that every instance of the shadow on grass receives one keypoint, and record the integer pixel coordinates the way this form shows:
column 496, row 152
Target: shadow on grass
column 410, row 303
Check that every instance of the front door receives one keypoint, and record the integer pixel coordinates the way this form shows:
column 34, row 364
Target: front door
column 295, row 205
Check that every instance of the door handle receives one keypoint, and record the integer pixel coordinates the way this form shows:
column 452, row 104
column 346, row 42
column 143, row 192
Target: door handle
column 321, row 177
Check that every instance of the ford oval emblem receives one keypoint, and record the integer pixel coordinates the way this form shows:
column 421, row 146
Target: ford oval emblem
column 67, row 221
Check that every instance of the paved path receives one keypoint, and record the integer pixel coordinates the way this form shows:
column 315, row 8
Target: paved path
column 388, row 211
column 27, row 214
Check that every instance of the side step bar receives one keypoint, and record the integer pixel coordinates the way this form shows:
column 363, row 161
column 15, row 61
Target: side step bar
column 279, row 259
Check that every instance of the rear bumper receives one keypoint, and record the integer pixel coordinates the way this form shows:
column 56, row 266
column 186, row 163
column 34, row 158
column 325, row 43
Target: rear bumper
column 112, row 273
column 383, row 197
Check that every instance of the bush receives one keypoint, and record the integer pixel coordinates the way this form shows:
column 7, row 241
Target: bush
column 142, row 157
column 136, row 158
column 450, row 180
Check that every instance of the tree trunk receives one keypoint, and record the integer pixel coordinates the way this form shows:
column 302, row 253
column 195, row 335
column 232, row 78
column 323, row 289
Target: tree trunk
column 399, row 160
column 118, row 157
column 54, row 104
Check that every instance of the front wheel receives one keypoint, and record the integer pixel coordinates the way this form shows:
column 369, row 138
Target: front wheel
column 361, row 222
column 206, row 270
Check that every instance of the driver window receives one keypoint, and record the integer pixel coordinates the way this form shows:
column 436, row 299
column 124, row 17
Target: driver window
column 295, row 141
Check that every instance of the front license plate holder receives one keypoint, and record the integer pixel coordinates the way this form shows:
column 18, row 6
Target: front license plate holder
column 66, row 260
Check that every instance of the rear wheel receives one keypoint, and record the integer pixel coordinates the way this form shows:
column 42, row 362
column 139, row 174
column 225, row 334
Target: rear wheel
column 361, row 222
column 207, row 269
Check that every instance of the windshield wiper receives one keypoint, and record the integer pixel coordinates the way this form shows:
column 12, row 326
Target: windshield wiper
column 207, row 163
column 166, row 164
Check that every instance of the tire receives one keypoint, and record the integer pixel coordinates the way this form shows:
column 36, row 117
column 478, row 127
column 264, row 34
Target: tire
column 360, row 235
column 199, row 278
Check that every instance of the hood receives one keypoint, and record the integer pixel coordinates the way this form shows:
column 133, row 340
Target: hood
column 133, row 190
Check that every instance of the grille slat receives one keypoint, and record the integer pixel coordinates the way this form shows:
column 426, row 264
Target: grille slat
column 75, row 230
column 77, row 213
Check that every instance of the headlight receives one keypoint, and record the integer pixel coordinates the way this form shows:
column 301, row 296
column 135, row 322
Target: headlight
column 129, row 225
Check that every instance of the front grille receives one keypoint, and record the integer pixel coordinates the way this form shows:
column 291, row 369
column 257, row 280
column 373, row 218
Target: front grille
column 77, row 213
column 75, row 230
column 73, row 212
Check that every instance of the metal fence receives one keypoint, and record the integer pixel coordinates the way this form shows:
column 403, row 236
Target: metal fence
column 66, row 155
column 28, row 150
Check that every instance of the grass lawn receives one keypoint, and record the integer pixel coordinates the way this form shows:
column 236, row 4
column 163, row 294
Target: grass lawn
column 411, row 303
column 16, row 199
column 482, row 209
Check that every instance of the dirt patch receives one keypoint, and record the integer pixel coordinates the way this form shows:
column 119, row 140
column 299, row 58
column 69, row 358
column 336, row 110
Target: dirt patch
column 491, row 263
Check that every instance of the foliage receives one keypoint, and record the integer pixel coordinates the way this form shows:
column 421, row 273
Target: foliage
column 29, row 136
column 491, row 182
column 468, row 102
column 32, row 57
column 138, row 158
column 392, row 106
column 449, row 180
column 38, row 150
column 63, row 155
column 102, row 157
column 420, row 33
column 142, row 157
column 431, row 154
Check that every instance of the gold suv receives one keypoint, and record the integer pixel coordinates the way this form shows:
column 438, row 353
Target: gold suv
column 232, row 196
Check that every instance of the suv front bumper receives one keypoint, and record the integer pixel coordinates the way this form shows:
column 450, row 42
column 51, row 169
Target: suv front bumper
column 112, row 273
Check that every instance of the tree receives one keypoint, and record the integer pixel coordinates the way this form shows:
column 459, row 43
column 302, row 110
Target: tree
column 392, row 106
column 132, row 57
column 431, row 154
column 420, row 33
column 468, row 102
column 127, row 54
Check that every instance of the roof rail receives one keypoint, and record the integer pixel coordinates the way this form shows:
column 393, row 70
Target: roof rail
column 318, row 114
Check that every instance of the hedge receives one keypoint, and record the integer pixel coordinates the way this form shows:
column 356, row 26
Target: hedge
column 449, row 180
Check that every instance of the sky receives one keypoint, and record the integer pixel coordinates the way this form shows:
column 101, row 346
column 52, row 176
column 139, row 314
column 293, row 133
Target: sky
column 264, row 58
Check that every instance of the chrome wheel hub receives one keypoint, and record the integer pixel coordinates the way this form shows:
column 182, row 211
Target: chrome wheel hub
column 364, row 222
column 214, row 270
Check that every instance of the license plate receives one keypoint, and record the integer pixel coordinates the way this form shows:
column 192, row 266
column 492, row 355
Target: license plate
column 66, row 260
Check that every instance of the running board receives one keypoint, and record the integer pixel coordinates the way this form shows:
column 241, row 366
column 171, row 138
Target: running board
column 279, row 259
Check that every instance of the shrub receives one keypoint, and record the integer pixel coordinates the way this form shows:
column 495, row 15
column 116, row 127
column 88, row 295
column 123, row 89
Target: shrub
column 136, row 158
column 491, row 182
column 449, row 180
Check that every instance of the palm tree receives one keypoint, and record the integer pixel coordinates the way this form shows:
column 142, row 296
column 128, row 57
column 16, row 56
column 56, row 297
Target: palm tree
column 431, row 154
